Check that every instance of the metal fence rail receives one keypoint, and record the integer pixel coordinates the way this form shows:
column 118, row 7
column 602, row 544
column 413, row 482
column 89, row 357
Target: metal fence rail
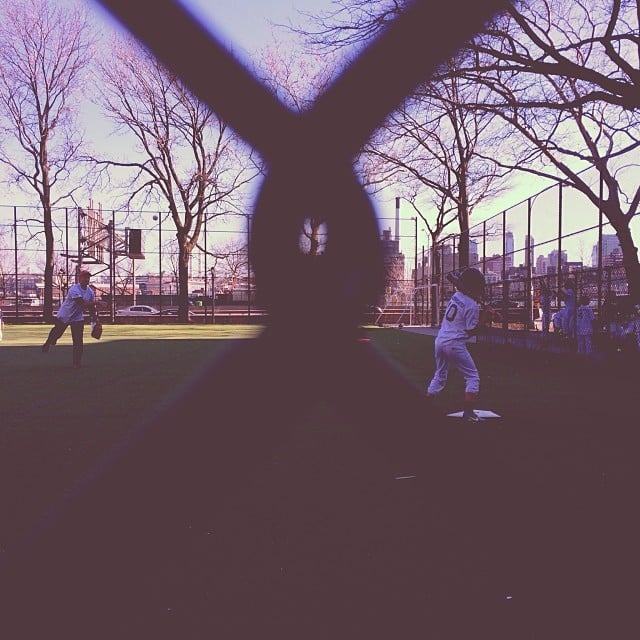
column 415, row 294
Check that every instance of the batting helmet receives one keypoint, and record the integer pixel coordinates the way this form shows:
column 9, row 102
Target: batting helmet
column 471, row 281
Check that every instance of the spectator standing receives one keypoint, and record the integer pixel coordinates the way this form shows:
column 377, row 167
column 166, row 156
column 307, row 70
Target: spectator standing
column 585, row 321
column 610, row 323
column 557, row 320
column 569, row 320
column 636, row 327
column 545, row 306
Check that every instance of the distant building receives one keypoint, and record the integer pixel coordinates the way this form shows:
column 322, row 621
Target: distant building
column 473, row 253
column 448, row 262
column 611, row 251
column 493, row 264
column 517, row 273
column 529, row 246
column 542, row 265
column 509, row 248
column 393, row 258
column 552, row 267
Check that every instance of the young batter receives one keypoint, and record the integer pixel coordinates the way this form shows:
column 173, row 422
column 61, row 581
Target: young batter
column 461, row 320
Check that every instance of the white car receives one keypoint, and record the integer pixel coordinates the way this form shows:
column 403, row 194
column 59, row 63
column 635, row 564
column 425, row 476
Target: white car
column 138, row 310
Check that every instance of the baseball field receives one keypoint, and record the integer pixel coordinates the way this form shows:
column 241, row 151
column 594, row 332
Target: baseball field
column 522, row 526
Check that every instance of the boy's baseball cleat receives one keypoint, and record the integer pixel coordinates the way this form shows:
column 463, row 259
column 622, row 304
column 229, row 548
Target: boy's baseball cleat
column 471, row 416
column 45, row 347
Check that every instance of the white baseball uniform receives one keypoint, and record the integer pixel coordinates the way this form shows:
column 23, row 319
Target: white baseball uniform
column 461, row 316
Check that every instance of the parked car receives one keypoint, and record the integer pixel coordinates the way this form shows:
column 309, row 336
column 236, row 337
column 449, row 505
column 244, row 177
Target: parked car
column 138, row 310
column 174, row 312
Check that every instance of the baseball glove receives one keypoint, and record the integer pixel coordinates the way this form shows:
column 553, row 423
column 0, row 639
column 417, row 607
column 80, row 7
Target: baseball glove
column 96, row 330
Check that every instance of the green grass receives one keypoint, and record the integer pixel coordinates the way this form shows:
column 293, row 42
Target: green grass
column 321, row 509
column 513, row 382
column 57, row 420
column 123, row 374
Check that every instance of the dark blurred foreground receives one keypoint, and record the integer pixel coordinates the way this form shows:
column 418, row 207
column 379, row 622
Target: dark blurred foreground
column 339, row 522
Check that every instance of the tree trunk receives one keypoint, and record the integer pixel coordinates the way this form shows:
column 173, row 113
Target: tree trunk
column 630, row 261
column 463, row 244
column 183, row 278
column 463, row 221
column 47, row 309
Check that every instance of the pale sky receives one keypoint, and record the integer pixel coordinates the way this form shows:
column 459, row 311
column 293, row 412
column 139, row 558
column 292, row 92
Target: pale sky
column 246, row 26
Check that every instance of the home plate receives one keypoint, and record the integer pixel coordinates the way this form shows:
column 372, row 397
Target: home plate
column 481, row 413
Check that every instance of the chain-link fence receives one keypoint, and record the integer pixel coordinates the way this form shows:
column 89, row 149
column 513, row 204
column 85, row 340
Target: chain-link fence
column 133, row 258
column 553, row 235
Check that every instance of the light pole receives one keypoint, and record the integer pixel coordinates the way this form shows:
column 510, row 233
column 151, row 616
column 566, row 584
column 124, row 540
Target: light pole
column 133, row 278
column 157, row 218
column 213, row 295
column 247, row 217
column 415, row 267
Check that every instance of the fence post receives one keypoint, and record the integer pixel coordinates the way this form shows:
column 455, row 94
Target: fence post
column 484, row 246
column 160, row 258
column 248, row 223
column 529, row 250
column 415, row 267
column 505, row 309
column 435, row 304
column 112, row 236
column 559, row 260
column 66, row 240
column 15, row 257
column 423, row 317
column 600, row 246
column 204, row 301
column 504, row 245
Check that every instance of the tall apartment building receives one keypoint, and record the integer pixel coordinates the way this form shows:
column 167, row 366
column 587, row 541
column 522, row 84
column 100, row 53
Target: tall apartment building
column 509, row 248
column 529, row 246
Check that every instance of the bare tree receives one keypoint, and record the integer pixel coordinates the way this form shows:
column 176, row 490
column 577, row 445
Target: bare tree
column 235, row 261
column 349, row 23
column 184, row 155
column 436, row 225
column 435, row 144
column 45, row 49
column 297, row 80
column 434, row 141
column 564, row 75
